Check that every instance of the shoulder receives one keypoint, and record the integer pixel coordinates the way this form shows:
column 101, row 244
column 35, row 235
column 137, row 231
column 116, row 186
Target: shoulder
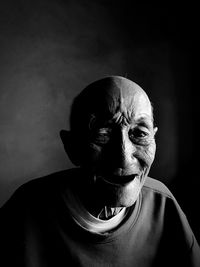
column 162, row 203
column 156, row 186
column 160, row 200
column 157, row 196
column 41, row 189
column 161, row 207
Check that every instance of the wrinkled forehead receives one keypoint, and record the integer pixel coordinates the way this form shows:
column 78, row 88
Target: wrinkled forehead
column 126, row 97
column 114, row 96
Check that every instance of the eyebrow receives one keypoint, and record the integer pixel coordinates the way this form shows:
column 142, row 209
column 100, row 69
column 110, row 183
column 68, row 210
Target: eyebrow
column 144, row 121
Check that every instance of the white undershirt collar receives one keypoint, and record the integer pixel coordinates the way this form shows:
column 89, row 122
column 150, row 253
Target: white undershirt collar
column 86, row 220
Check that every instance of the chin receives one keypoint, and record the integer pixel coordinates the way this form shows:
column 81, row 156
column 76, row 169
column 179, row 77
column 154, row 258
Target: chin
column 122, row 195
column 127, row 195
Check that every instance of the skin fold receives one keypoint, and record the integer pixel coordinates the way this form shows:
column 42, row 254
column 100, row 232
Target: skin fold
column 112, row 139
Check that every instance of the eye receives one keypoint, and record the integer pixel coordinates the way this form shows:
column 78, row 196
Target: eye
column 101, row 136
column 138, row 135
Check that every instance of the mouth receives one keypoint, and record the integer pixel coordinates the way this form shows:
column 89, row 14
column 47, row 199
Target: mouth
column 119, row 180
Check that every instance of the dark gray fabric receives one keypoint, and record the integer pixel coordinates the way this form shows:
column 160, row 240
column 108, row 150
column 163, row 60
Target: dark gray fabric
column 37, row 230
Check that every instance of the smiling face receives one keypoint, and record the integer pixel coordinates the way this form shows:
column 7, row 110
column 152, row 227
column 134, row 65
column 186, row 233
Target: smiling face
column 118, row 141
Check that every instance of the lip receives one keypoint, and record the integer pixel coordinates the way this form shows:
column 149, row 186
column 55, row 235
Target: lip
column 119, row 180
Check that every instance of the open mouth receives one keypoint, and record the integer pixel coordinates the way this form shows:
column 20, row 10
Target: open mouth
column 119, row 180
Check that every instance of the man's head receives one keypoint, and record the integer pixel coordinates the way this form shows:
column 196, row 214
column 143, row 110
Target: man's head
column 112, row 137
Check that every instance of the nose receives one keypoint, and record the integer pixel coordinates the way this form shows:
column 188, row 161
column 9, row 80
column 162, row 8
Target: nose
column 124, row 152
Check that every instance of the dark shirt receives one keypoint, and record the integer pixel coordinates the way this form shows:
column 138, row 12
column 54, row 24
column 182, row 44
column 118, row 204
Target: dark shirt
column 37, row 230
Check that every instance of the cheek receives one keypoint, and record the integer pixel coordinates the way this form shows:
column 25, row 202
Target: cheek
column 146, row 154
column 150, row 151
column 94, row 153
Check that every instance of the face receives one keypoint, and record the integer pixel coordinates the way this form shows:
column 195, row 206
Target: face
column 121, row 145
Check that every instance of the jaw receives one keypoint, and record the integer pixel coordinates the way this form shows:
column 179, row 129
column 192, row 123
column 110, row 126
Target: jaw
column 99, row 191
column 117, row 194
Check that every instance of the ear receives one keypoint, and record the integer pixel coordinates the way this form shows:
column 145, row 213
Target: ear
column 155, row 129
column 70, row 146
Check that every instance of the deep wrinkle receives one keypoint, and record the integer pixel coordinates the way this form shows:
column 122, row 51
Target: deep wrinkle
column 123, row 112
column 123, row 109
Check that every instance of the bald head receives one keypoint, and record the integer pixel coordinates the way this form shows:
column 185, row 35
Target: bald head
column 110, row 97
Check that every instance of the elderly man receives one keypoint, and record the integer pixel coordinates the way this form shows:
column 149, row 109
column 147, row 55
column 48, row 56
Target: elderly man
column 107, row 211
